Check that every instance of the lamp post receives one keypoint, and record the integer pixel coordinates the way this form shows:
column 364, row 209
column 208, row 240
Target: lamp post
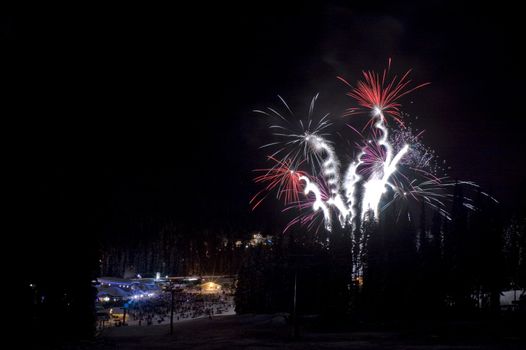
column 171, row 288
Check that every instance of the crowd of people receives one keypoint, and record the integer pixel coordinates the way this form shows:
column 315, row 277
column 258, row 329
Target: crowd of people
column 187, row 305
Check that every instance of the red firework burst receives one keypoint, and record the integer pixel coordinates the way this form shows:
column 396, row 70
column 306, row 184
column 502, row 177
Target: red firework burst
column 285, row 177
column 380, row 92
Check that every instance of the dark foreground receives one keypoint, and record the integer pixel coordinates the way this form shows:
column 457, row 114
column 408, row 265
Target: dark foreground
column 271, row 332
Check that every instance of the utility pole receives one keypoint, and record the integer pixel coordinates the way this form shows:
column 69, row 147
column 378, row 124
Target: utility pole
column 172, row 290
column 297, row 259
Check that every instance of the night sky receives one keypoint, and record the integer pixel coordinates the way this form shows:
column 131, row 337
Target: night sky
column 126, row 112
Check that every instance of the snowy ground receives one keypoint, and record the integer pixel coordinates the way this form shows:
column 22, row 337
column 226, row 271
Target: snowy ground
column 166, row 320
column 271, row 332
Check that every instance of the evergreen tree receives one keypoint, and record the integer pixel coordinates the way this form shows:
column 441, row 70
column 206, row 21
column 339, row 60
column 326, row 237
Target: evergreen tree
column 489, row 242
column 456, row 256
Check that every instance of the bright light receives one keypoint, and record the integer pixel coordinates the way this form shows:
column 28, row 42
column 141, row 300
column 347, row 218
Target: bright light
column 385, row 161
column 318, row 203
column 210, row 287
column 375, row 187
column 351, row 180
column 359, row 280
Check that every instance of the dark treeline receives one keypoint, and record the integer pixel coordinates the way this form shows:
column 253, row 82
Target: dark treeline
column 318, row 267
column 151, row 245
column 401, row 267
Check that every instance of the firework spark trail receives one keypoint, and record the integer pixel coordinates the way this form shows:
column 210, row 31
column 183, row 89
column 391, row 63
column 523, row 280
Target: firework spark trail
column 310, row 187
column 330, row 163
column 306, row 215
column 331, row 172
column 375, row 187
column 343, row 210
column 352, row 178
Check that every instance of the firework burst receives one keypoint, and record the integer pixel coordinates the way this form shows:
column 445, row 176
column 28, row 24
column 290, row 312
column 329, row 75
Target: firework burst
column 297, row 139
column 378, row 92
column 391, row 165
column 282, row 177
